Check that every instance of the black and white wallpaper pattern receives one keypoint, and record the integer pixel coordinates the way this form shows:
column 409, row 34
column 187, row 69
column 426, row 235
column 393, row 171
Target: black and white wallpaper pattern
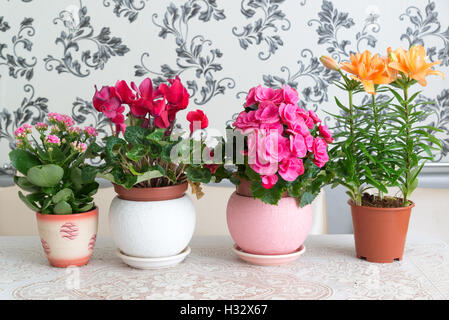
column 53, row 52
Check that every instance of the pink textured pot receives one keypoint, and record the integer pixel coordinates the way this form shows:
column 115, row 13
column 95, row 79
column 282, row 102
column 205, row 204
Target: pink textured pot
column 264, row 229
column 68, row 240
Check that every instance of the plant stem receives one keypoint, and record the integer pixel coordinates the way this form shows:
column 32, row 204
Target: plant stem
column 376, row 133
column 407, row 143
column 357, row 195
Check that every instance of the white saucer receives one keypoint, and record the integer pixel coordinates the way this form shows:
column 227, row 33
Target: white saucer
column 153, row 263
column 269, row 260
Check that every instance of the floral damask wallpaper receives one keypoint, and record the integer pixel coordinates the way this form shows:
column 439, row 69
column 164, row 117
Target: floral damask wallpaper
column 52, row 53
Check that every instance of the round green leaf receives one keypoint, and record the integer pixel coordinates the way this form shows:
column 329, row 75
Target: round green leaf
column 23, row 160
column 63, row 195
column 45, row 176
column 62, row 208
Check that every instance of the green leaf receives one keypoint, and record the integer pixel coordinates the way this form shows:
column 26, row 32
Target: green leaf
column 307, row 198
column 24, row 184
column 137, row 152
column 88, row 174
column 269, row 196
column 48, row 175
column 198, row 174
column 157, row 135
column 155, row 172
column 136, row 135
column 62, row 208
column 113, row 147
column 63, row 195
column 30, row 204
column 23, row 160
column 87, row 207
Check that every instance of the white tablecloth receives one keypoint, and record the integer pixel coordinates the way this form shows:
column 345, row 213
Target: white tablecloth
column 328, row 270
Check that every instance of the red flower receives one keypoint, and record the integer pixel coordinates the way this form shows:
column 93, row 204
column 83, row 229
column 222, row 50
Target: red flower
column 108, row 102
column 212, row 167
column 176, row 95
column 198, row 120
column 160, row 114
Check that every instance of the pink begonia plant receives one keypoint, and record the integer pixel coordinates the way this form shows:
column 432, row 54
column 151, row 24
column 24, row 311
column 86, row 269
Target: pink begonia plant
column 284, row 142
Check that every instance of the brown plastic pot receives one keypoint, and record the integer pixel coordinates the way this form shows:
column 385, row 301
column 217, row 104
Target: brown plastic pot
column 380, row 233
column 151, row 194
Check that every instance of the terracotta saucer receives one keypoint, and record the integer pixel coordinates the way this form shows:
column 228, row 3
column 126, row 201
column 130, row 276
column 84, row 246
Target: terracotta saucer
column 153, row 263
column 269, row 260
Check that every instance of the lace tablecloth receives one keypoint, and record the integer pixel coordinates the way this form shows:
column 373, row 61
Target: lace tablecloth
column 328, row 270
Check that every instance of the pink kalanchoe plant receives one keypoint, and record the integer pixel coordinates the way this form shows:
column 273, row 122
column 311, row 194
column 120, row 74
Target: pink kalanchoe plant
column 53, row 167
column 285, row 147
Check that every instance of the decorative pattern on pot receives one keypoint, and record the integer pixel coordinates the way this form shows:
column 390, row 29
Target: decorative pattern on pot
column 68, row 240
column 152, row 229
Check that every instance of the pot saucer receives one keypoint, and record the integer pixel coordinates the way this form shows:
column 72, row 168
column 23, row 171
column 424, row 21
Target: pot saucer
column 269, row 260
column 153, row 263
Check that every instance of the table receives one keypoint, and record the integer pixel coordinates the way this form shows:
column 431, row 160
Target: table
column 328, row 270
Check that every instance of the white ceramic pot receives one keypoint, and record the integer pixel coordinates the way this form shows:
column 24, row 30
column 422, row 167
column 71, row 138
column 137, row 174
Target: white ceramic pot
column 68, row 240
column 152, row 229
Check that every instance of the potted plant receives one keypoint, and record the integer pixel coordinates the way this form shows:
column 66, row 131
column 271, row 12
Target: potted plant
column 150, row 164
column 61, row 186
column 382, row 143
column 280, row 151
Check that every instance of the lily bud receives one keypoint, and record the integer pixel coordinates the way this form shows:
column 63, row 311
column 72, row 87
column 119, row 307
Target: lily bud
column 330, row 63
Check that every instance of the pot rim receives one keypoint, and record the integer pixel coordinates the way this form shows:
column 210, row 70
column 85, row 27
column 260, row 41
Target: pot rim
column 93, row 211
column 151, row 194
column 352, row 204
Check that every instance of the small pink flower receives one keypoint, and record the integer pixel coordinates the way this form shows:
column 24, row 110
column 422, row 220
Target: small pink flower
column 291, row 168
column 269, row 182
column 55, row 117
column 289, row 113
column 320, row 152
column 298, row 146
column 22, row 131
column 74, row 130
column 90, row 131
column 307, row 119
column 79, row 146
column 246, row 120
column 290, row 95
column 250, row 98
column 67, row 120
column 314, row 117
column 52, row 139
column 268, row 94
column 41, row 126
column 325, row 133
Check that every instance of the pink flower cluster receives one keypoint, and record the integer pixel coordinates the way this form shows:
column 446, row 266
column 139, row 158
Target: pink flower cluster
column 91, row 132
column 281, row 134
column 22, row 131
column 56, row 118
column 79, row 146
column 162, row 103
column 52, row 139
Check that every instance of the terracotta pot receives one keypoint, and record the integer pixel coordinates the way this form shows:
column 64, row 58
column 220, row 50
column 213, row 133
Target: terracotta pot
column 380, row 233
column 264, row 229
column 152, row 222
column 151, row 194
column 68, row 240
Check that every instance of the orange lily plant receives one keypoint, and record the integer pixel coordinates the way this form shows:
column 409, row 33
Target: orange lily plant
column 382, row 144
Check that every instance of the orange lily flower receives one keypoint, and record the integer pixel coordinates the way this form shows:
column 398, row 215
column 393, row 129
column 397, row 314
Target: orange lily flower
column 413, row 63
column 368, row 69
